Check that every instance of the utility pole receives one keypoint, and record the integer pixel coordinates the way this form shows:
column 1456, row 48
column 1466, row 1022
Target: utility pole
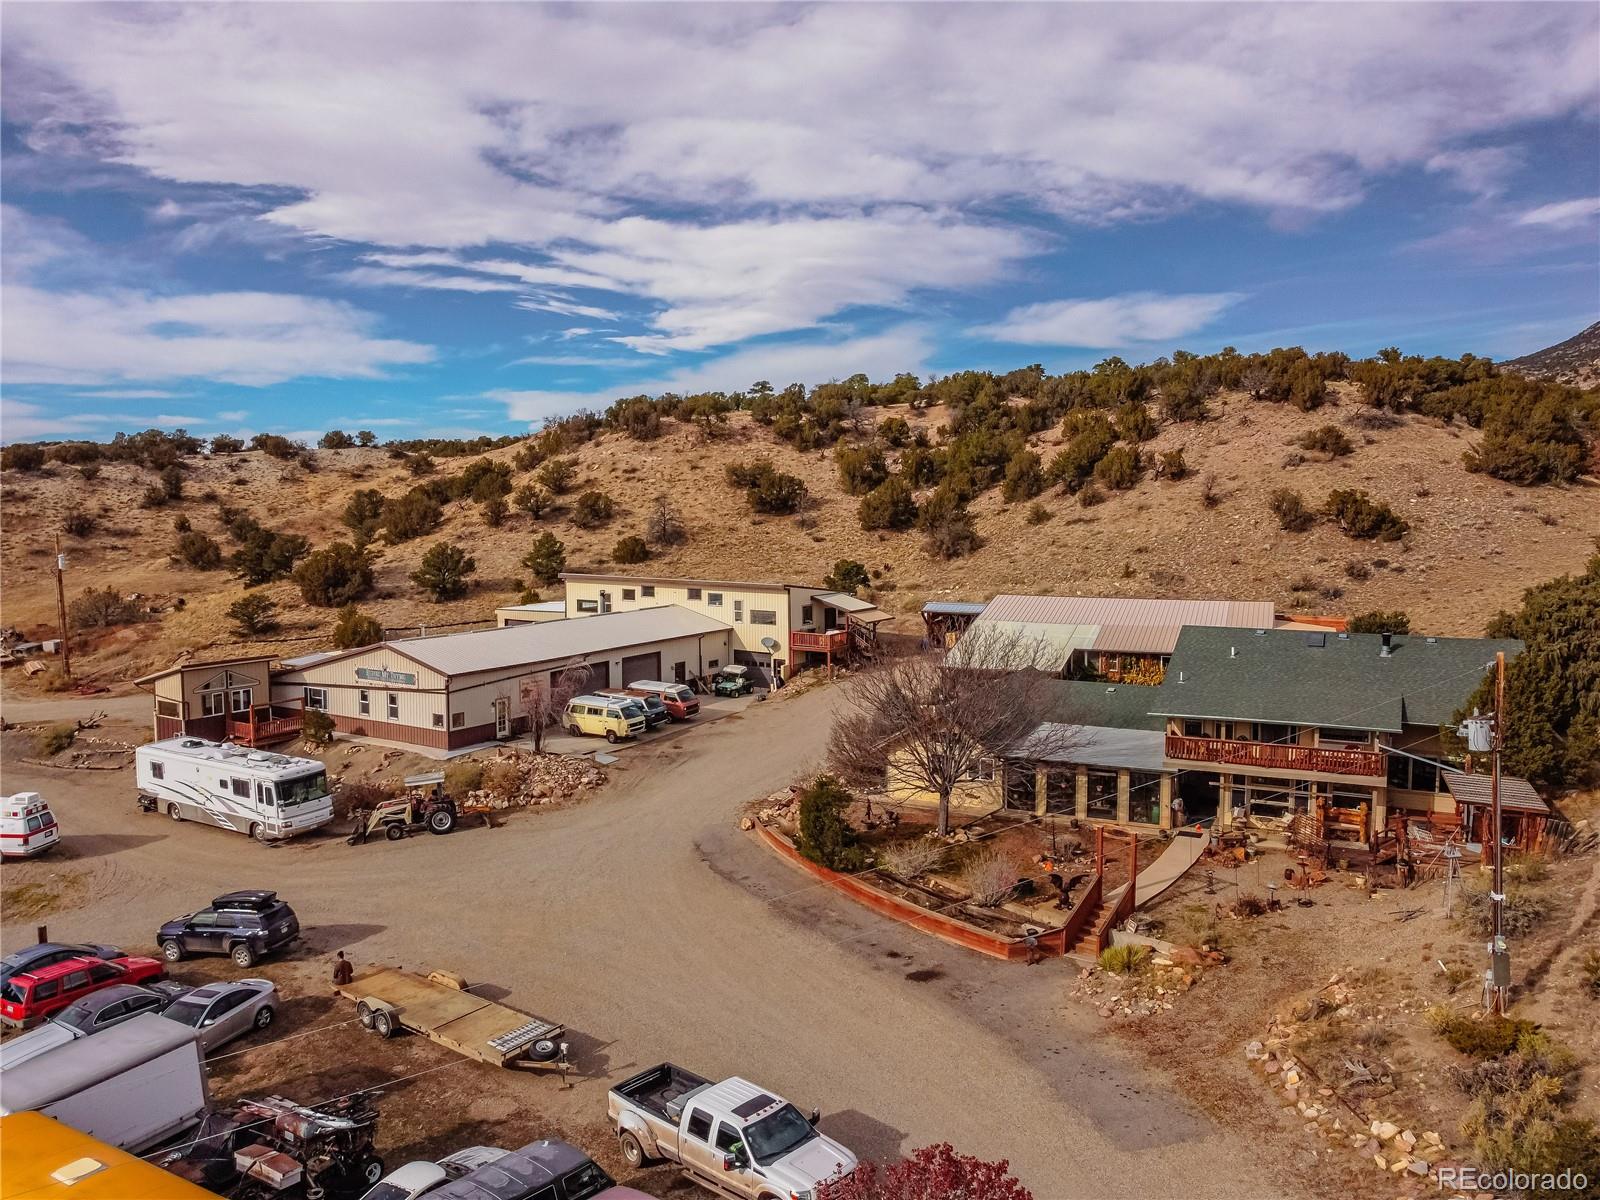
column 61, row 609
column 1487, row 736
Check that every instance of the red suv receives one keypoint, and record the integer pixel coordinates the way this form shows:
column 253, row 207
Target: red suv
column 30, row 996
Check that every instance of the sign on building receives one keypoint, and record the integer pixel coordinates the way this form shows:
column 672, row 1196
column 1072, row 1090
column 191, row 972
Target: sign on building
column 384, row 675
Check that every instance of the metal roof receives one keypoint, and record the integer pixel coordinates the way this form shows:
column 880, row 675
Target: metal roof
column 1328, row 679
column 553, row 641
column 861, row 610
column 539, row 606
column 1516, row 793
column 954, row 608
column 300, row 661
column 730, row 584
column 1131, row 624
column 85, row 1062
column 1098, row 746
column 201, row 665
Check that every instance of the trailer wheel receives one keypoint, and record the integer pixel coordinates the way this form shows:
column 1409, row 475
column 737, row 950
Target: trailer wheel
column 544, row 1050
column 364, row 1014
column 172, row 950
column 441, row 820
column 174, row 812
column 633, row 1152
column 382, row 1025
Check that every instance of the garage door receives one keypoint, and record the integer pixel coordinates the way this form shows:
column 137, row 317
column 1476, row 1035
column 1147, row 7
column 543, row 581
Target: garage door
column 641, row 666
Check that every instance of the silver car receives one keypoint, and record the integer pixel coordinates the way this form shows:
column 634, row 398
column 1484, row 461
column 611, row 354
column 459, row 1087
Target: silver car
column 220, row 1012
column 416, row 1179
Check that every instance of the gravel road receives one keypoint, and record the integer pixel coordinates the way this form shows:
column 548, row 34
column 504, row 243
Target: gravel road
column 656, row 930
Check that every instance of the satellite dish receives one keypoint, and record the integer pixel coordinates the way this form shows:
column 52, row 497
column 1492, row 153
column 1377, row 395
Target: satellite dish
column 770, row 645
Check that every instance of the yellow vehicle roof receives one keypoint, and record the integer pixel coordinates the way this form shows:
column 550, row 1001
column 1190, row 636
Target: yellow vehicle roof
column 40, row 1157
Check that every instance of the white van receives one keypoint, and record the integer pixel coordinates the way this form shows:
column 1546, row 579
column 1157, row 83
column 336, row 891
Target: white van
column 27, row 826
column 269, row 796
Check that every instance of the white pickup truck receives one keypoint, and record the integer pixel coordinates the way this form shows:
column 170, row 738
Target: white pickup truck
column 732, row 1138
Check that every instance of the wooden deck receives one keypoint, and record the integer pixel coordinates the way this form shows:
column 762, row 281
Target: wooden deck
column 468, row 1024
column 1275, row 756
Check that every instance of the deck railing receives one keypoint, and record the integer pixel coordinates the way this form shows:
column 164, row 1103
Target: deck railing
column 1277, row 756
column 832, row 640
column 271, row 723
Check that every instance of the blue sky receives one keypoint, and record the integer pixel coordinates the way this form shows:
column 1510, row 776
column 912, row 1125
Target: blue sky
column 428, row 219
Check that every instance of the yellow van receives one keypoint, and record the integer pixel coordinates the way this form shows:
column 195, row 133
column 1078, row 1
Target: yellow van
column 610, row 717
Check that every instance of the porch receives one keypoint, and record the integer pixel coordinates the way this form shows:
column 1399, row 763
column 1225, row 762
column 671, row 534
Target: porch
column 1275, row 756
column 265, row 724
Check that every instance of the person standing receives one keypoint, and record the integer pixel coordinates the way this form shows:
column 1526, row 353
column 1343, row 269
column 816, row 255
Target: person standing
column 343, row 972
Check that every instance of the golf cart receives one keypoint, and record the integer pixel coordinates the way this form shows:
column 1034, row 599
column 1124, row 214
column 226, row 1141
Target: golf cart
column 733, row 680
column 424, row 806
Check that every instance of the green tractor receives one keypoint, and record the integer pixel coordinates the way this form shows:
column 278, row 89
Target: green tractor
column 735, row 680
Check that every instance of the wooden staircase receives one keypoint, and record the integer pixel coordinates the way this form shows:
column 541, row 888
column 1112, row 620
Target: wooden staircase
column 1095, row 932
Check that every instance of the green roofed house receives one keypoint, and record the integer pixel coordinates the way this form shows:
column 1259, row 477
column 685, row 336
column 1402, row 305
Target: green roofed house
column 1267, row 724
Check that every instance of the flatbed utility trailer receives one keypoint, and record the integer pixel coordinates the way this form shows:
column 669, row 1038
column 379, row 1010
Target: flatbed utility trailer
column 439, row 1007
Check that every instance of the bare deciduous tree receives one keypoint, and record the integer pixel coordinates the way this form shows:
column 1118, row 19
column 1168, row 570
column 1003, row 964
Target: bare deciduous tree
column 544, row 705
column 933, row 721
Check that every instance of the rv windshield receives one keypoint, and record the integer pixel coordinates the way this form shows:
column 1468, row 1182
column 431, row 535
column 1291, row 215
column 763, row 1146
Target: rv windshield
column 302, row 789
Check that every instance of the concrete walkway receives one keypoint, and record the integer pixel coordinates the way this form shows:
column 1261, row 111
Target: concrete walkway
column 1182, row 852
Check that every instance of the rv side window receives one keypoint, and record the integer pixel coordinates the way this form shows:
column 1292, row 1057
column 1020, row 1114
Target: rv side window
column 264, row 795
column 241, row 788
column 158, row 771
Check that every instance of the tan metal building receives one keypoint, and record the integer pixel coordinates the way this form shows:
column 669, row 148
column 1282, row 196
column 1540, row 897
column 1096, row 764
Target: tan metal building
column 220, row 701
column 465, row 689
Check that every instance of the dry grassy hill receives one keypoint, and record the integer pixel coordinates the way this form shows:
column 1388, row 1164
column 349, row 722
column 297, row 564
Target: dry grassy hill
column 1575, row 361
column 1475, row 542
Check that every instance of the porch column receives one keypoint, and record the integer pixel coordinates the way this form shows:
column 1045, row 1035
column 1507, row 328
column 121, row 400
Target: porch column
column 1040, row 775
column 1122, row 797
column 1165, row 792
column 1082, row 798
column 1225, row 802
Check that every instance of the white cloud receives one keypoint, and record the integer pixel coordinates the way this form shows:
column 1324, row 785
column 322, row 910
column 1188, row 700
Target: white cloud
column 232, row 416
column 384, row 277
column 1110, row 322
column 130, row 394
column 252, row 338
column 20, row 419
column 180, row 419
column 879, row 356
column 1482, row 170
column 1563, row 214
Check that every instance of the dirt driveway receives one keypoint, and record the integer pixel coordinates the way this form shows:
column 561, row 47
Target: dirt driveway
column 654, row 928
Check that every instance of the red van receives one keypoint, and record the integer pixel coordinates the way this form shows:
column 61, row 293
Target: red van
column 30, row 996
column 680, row 703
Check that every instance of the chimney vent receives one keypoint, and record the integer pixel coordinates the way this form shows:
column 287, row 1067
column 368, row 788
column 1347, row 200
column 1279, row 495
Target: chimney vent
column 1388, row 645
column 1233, row 652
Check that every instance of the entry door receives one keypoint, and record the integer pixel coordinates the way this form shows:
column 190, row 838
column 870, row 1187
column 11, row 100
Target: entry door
column 502, row 718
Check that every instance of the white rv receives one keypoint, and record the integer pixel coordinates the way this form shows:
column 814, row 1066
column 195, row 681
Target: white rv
column 269, row 796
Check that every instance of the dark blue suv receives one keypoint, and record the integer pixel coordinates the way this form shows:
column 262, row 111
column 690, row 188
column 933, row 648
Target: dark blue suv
column 243, row 925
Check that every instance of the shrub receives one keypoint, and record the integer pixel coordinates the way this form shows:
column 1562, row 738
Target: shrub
column 78, row 523
column 1124, row 960
column 913, row 856
column 1024, row 477
column 630, row 549
column 1090, row 495
column 275, row 445
column 547, row 559
column 354, row 794
column 317, row 727
column 365, row 437
column 1119, row 469
column 1589, row 974
column 1038, row 514
column 593, row 509
column 153, row 497
column 534, row 501
column 181, row 523
column 991, row 876
column 1172, row 465
column 263, row 555
column 89, row 472
column 1290, row 509
column 73, row 453
column 1520, row 914
column 639, row 418
column 226, row 444
column 355, row 628
column 1378, row 621
column 664, row 524
column 418, row 464
column 776, row 492
column 557, row 475
column 53, row 739
column 252, row 614
column 1076, row 462
column 335, row 576
column 921, row 467
column 890, row 505
column 1182, row 400
column 826, row 836
column 463, row 777
column 494, row 510
column 861, row 468
column 1134, row 423
column 98, row 608
column 363, row 514
column 1326, row 439
column 22, row 456
column 1249, row 904
column 410, row 516
column 443, row 571
column 1210, row 491
column 953, row 536
column 336, row 439
column 894, row 431
column 1360, row 516
column 1482, row 1038
column 1530, row 437
column 197, row 550
column 847, row 576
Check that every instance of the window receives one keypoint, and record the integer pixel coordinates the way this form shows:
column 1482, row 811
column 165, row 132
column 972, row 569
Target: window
column 317, row 699
column 627, row 593
column 1266, row 732
column 729, row 1138
column 738, row 610
column 1103, row 794
column 980, row 772
column 805, row 614
column 694, row 593
column 394, row 707
column 1144, row 797
column 1193, row 728
column 438, row 720
column 714, row 599
column 1061, row 790
column 158, row 770
column 264, row 795
column 241, row 788
column 364, row 702
column 203, row 920
column 763, row 616
column 47, row 990
column 588, row 606
column 1412, row 774
column 213, row 704
column 713, row 664
column 168, row 708
column 1343, row 736
column 647, row 590
column 239, row 699
column 457, row 720
column 699, row 1125
column 75, row 981
column 104, row 973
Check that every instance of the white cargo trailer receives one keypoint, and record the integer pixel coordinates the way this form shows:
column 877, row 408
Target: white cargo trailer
column 133, row 1085
column 268, row 796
